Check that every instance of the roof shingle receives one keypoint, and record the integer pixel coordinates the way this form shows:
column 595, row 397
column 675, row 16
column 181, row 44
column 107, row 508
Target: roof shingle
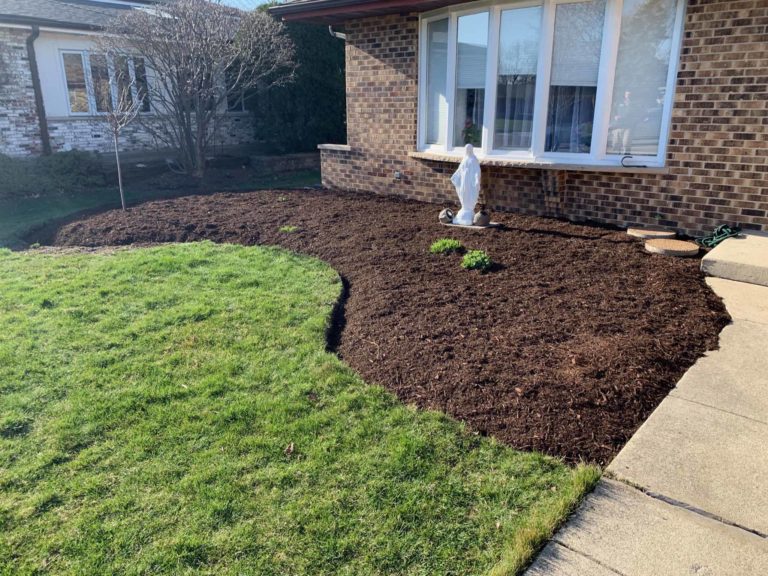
column 75, row 14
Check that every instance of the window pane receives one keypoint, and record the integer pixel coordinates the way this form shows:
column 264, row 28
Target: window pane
column 573, row 84
column 123, row 82
column 100, row 78
column 75, row 74
column 470, row 79
column 437, row 70
column 142, row 85
column 645, row 44
column 516, row 81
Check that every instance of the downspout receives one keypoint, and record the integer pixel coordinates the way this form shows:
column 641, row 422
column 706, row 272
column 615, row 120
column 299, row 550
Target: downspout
column 339, row 35
column 42, row 119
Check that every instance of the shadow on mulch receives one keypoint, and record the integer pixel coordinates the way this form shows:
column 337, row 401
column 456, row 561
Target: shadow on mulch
column 566, row 348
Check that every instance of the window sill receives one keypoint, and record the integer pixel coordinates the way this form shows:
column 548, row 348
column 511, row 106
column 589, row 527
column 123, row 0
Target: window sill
column 335, row 147
column 515, row 163
column 95, row 118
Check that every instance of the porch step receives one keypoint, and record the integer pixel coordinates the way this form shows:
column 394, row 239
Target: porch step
column 743, row 258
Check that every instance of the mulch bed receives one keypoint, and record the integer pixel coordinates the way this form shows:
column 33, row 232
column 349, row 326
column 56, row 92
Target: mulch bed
column 566, row 347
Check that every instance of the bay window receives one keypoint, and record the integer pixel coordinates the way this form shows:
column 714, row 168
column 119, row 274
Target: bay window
column 97, row 82
column 586, row 82
column 472, row 53
column 436, row 101
column 573, row 80
column 516, row 77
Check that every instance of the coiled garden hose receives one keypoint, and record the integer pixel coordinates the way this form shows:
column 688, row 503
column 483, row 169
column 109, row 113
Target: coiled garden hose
column 721, row 233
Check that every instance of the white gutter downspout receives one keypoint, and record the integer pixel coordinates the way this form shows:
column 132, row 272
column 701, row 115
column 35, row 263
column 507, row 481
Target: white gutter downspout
column 339, row 35
column 42, row 119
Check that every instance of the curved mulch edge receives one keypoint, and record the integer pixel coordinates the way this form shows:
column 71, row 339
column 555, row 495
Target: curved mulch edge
column 566, row 347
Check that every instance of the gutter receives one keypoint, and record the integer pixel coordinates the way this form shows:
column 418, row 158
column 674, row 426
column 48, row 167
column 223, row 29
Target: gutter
column 337, row 11
column 46, row 22
column 339, row 35
column 42, row 119
column 308, row 5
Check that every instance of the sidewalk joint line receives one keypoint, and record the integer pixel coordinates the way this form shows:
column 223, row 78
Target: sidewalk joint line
column 588, row 557
column 672, row 393
column 685, row 506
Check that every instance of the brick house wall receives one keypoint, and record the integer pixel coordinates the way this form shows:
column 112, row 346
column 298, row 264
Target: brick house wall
column 88, row 134
column 19, row 127
column 717, row 160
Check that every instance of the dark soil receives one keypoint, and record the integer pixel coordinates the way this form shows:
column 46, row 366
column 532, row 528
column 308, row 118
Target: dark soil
column 565, row 347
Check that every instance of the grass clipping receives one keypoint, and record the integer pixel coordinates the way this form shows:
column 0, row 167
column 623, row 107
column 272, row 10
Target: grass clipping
column 174, row 410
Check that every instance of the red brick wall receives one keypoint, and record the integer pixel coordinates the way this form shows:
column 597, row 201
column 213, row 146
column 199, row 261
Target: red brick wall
column 717, row 155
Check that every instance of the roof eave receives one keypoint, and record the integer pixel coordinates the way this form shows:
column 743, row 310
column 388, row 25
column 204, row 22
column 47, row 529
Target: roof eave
column 45, row 22
column 337, row 11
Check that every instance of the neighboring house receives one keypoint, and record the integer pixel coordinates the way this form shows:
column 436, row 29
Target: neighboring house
column 54, row 84
column 616, row 111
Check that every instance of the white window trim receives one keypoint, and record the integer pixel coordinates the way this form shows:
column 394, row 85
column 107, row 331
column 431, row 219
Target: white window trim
column 86, row 74
column 85, row 56
column 598, row 155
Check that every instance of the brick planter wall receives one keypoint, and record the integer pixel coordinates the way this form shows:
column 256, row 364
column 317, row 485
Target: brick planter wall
column 88, row 134
column 285, row 163
column 717, row 159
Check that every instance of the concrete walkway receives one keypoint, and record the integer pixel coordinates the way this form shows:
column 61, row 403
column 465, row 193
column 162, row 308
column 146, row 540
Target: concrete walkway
column 688, row 494
column 743, row 258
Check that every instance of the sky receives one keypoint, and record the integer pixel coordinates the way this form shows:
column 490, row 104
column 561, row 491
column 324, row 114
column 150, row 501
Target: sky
column 243, row 4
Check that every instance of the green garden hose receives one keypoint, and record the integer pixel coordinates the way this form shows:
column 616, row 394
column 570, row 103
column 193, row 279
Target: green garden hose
column 721, row 233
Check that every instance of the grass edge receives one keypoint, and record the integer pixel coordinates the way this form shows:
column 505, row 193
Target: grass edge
column 544, row 522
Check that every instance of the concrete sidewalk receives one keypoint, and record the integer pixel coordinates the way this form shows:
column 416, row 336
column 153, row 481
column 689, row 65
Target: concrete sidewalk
column 688, row 494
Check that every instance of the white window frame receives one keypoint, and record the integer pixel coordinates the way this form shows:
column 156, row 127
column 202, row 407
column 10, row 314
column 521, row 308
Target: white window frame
column 597, row 156
column 88, row 82
column 85, row 56
column 421, row 125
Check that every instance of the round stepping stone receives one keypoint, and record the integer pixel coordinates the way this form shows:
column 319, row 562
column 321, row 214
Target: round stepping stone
column 672, row 247
column 650, row 232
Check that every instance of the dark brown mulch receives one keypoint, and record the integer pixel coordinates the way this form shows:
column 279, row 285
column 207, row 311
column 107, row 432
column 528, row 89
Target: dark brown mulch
column 566, row 347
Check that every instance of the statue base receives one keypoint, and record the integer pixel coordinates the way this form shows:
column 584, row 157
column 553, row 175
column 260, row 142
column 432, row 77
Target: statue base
column 472, row 226
column 464, row 218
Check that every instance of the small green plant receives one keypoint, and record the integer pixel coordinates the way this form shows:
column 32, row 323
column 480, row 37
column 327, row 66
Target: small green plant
column 288, row 229
column 476, row 260
column 446, row 246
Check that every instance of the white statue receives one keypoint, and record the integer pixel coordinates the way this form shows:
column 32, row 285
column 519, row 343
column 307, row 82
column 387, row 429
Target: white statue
column 467, row 182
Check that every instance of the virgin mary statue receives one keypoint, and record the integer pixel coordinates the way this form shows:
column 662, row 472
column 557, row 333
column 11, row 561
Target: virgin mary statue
column 467, row 182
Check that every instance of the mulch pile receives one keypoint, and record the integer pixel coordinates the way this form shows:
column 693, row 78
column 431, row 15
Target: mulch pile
column 566, row 347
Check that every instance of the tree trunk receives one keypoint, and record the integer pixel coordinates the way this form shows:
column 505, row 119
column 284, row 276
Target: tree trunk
column 199, row 171
column 119, row 172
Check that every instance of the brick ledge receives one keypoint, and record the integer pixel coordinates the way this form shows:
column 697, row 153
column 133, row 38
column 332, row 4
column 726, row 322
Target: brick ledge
column 336, row 147
column 431, row 156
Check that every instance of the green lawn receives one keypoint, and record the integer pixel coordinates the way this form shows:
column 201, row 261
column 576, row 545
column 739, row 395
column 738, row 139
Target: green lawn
column 18, row 216
column 174, row 411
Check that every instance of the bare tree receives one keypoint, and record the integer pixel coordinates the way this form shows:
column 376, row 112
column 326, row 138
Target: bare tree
column 123, row 109
column 200, row 56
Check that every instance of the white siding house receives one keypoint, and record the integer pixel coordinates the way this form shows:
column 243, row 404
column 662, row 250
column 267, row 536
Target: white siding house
column 53, row 83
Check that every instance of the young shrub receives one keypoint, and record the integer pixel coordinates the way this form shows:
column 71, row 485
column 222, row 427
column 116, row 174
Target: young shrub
column 476, row 260
column 47, row 176
column 446, row 246
column 288, row 229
